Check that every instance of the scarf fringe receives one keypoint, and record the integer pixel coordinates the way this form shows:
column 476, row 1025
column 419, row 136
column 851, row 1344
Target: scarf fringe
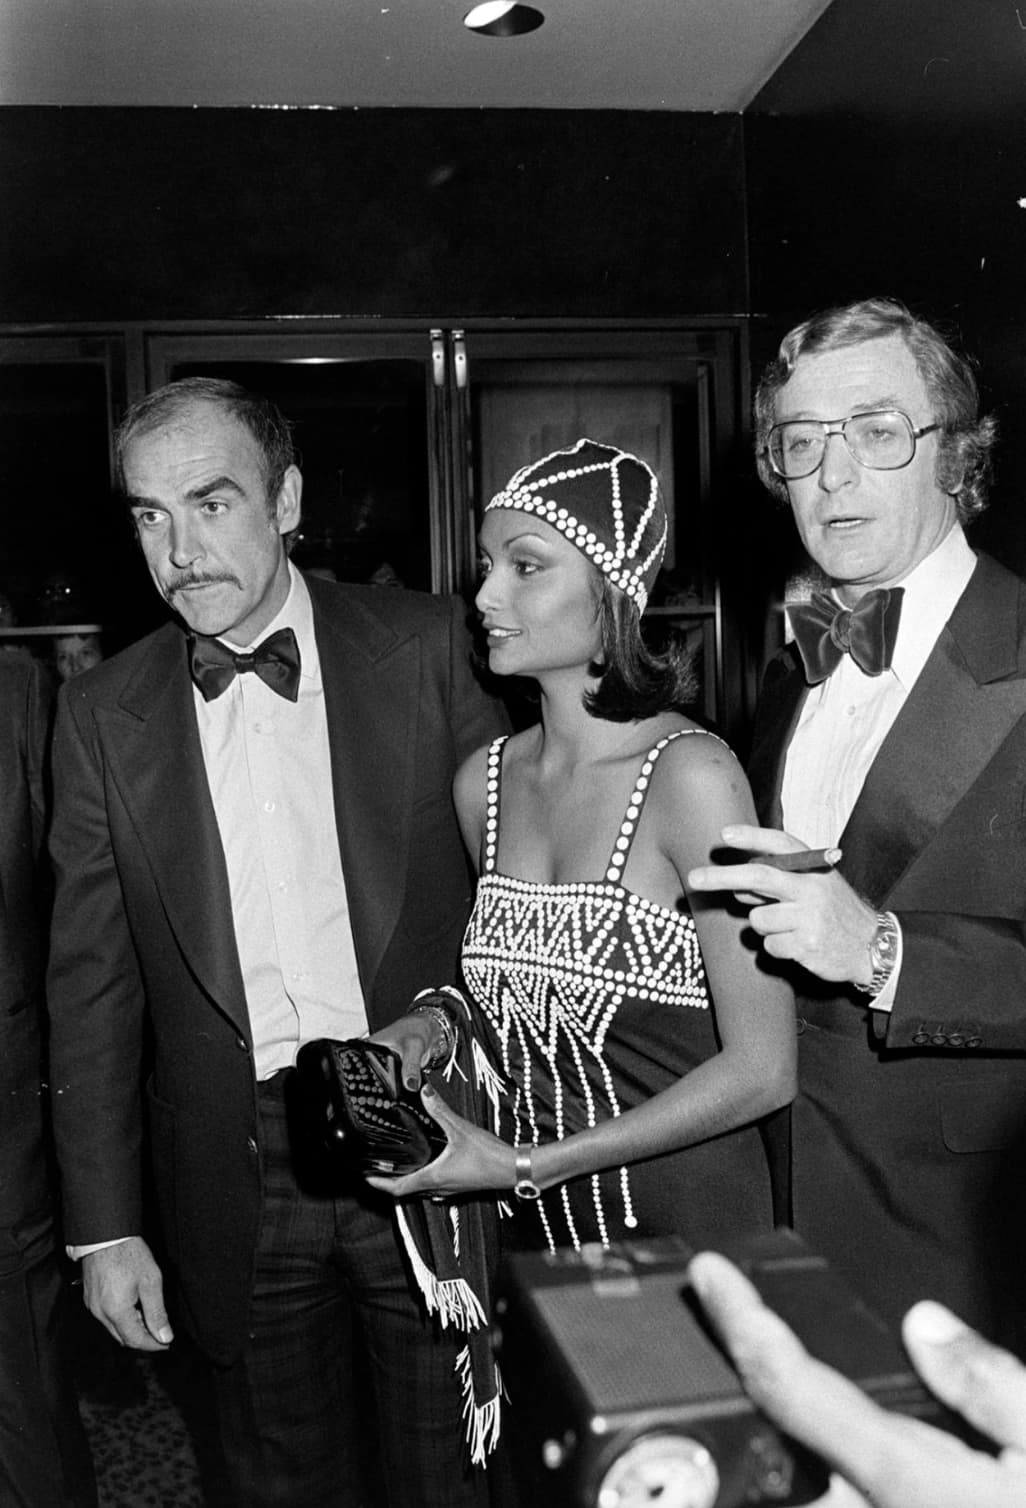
column 452, row 1299
column 486, row 1076
column 483, row 1419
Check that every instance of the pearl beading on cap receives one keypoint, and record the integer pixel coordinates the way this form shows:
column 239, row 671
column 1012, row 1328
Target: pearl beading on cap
column 617, row 560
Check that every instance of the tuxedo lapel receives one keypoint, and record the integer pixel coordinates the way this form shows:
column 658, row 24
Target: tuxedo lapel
column 372, row 735
column 780, row 702
column 157, row 764
column 967, row 699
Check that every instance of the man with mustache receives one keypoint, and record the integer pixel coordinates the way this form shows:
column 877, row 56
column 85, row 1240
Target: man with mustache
column 255, row 846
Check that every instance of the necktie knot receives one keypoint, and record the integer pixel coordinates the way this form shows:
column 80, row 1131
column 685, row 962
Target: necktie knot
column 840, row 632
column 215, row 665
column 825, row 631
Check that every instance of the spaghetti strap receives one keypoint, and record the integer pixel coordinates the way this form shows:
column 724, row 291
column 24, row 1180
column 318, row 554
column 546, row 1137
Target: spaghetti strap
column 494, row 782
column 622, row 847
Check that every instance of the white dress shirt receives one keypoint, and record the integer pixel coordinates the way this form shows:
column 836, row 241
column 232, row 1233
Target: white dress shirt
column 268, row 765
column 846, row 718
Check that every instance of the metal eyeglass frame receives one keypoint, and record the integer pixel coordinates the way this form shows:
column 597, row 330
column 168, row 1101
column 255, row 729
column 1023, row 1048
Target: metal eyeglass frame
column 837, row 427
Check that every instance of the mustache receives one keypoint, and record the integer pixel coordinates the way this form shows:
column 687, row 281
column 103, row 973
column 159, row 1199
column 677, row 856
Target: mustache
column 191, row 578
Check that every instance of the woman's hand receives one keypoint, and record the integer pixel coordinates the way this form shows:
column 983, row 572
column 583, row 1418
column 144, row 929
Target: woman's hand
column 474, row 1159
column 416, row 1038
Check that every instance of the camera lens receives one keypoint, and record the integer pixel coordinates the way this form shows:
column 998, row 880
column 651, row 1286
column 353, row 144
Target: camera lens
column 673, row 1470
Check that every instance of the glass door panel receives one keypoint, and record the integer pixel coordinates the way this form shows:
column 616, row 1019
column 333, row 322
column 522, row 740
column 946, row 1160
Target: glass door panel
column 659, row 408
column 69, row 558
column 361, row 431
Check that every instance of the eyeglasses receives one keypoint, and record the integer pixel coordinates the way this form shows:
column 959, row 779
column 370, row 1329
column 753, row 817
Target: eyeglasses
column 883, row 440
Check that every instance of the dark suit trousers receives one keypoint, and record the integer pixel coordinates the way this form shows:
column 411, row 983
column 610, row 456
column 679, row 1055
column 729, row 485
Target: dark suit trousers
column 346, row 1395
column 44, row 1454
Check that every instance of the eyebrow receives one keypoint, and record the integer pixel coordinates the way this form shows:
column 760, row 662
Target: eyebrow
column 870, row 406
column 194, row 495
column 516, row 539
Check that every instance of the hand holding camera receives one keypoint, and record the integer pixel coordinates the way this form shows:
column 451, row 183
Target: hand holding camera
column 883, row 1458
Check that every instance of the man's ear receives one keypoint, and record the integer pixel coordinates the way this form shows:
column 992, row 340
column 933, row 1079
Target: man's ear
column 288, row 508
column 952, row 460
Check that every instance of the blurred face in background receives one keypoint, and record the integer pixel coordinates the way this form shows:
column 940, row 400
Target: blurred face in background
column 74, row 653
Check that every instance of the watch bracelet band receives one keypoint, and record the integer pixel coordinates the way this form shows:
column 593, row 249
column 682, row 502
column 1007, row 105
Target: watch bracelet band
column 883, row 951
column 525, row 1186
column 446, row 1025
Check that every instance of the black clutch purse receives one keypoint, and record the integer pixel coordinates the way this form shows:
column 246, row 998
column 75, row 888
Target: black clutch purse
column 357, row 1103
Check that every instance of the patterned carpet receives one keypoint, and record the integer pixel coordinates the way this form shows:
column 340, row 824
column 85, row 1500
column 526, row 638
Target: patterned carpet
column 150, row 1424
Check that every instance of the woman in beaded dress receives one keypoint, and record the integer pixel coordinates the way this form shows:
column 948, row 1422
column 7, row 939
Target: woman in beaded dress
column 635, row 1039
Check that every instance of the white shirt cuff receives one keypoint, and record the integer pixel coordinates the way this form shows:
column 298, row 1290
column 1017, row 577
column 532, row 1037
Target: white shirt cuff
column 76, row 1253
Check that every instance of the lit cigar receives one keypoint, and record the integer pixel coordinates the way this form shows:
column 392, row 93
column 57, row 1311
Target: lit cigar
column 799, row 863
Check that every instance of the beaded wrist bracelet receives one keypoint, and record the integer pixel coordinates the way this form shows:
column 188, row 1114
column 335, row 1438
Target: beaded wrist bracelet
column 446, row 1025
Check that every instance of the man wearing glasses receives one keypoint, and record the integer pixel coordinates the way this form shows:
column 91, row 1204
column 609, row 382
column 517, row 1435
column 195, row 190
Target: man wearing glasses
column 893, row 728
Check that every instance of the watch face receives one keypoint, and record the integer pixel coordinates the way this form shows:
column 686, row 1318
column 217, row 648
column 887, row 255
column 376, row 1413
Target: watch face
column 524, row 1189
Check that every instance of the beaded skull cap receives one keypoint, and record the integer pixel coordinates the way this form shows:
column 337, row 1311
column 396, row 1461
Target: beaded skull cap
column 605, row 501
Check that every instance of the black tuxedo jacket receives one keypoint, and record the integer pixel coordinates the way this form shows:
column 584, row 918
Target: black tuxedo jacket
column 25, row 701
column 143, row 948
column 909, row 1131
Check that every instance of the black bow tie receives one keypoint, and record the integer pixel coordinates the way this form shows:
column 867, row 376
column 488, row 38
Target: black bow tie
column 276, row 661
column 825, row 632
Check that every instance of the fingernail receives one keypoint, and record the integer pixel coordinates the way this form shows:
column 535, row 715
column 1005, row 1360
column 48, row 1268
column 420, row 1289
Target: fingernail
column 165, row 1335
column 934, row 1324
column 427, row 1091
column 411, row 1083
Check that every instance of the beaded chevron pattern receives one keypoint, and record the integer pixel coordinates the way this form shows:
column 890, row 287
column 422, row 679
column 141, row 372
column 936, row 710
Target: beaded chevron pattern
column 550, row 965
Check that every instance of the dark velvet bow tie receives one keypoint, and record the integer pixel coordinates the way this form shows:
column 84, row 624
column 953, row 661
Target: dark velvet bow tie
column 276, row 661
column 825, row 632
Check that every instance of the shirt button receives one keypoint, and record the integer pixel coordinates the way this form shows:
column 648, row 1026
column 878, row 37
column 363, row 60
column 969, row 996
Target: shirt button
column 242, row 1044
column 800, row 1025
column 268, row 806
column 251, row 1145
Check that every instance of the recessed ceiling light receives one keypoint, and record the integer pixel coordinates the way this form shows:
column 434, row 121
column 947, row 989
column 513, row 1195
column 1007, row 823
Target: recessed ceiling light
column 503, row 18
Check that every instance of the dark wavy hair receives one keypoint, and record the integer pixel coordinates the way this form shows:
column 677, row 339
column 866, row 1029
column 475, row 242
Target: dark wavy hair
column 264, row 420
column 965, row 440
column 636, row 680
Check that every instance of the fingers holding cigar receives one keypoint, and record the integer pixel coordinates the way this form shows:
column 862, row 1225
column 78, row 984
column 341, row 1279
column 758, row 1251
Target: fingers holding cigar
column 759, row 849
column 804, row 861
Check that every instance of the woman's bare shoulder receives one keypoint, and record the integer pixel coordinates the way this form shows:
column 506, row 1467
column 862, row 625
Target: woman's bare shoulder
column 701, row 769
column 470, row 783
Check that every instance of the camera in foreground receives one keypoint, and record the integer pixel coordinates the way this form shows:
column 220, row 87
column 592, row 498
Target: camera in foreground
column 627, row 1399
